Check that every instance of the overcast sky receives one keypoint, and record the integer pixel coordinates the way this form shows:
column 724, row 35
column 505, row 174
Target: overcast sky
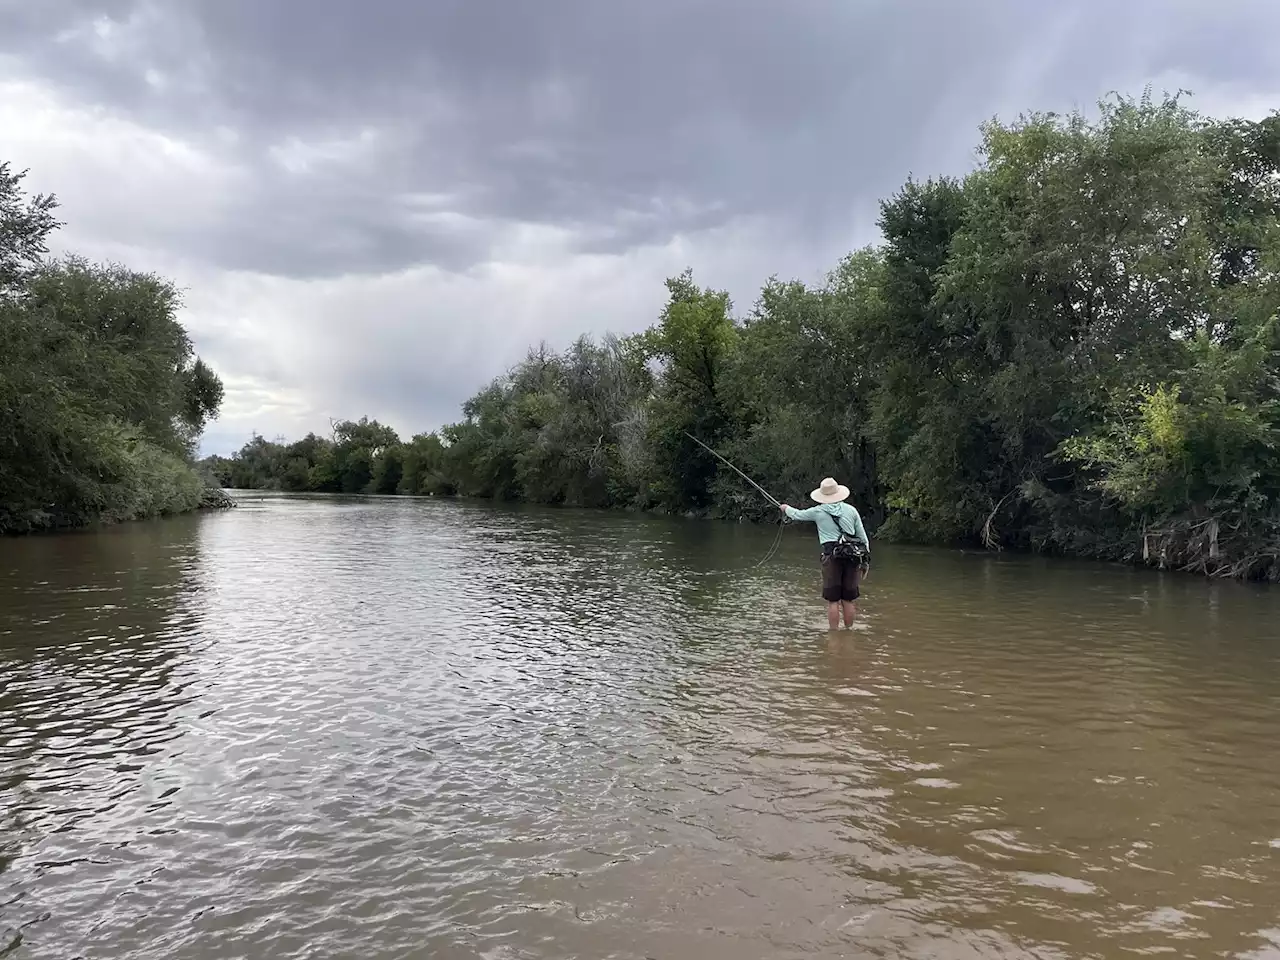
column 375, row 207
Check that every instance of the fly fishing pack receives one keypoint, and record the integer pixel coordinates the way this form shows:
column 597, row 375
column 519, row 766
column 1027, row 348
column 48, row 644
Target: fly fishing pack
column 847, row 547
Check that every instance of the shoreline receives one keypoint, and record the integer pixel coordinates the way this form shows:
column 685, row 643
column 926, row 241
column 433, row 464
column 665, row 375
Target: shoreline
column 1135, row 560
column 213, row 499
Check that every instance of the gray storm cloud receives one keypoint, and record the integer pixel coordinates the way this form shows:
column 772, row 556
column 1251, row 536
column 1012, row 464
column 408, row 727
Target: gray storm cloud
column 632, row 121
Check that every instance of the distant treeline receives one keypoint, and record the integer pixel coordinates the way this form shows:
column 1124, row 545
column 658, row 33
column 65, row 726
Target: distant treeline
column 102, row 400
column 1071, row 350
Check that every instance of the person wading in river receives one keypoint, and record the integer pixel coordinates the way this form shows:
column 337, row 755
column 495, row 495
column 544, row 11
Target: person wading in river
column 846, row 551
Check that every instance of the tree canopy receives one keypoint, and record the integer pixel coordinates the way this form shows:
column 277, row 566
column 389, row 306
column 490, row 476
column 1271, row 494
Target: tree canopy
column 102, row 398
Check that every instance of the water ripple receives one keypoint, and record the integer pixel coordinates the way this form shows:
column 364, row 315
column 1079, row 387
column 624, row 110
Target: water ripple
column 388, row 728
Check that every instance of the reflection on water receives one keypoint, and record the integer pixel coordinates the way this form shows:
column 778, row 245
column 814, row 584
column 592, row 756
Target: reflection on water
column 387, row 728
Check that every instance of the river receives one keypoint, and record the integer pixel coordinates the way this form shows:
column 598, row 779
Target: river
column 392, row 728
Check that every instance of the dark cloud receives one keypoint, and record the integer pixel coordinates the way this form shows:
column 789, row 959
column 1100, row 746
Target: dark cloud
column 307, row 227
column 630, row 121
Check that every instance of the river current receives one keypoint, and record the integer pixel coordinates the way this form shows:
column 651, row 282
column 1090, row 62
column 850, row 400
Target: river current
column 390, row 728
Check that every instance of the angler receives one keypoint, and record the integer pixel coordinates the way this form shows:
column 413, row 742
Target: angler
column 846, row 551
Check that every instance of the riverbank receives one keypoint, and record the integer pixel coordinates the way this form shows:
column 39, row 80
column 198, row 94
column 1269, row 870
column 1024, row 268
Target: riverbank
column 215, row 498
column 50, row 519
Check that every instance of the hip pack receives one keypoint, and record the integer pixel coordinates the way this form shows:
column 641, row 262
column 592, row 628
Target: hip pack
column 848, row 547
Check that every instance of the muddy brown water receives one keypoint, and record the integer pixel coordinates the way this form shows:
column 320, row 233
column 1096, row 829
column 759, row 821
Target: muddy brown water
column 325, row 728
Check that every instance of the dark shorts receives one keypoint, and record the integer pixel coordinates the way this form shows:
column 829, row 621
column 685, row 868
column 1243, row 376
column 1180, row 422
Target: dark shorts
column 841, row 579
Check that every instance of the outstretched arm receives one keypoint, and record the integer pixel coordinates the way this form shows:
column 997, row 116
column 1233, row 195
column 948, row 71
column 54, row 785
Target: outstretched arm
column 794, row 514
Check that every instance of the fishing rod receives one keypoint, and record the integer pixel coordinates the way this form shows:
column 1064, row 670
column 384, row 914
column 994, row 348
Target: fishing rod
column 782, row 521
column 768, row 496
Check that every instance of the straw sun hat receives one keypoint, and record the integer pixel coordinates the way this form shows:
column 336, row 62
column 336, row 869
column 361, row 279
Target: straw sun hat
column 830, row 492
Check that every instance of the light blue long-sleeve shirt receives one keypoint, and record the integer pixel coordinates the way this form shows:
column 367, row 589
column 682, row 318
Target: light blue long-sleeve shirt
column 824, row 515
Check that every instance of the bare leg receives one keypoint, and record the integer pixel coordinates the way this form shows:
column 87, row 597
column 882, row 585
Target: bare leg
column 833, row 616
column 850, row 611
column 854, row 573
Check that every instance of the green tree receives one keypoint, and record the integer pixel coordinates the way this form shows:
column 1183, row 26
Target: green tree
column 348, row 464
column 25, row 226
column 692, row 342
column 424, row 471
column 102, row 400
column 1082, row 263
column 798, row 384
